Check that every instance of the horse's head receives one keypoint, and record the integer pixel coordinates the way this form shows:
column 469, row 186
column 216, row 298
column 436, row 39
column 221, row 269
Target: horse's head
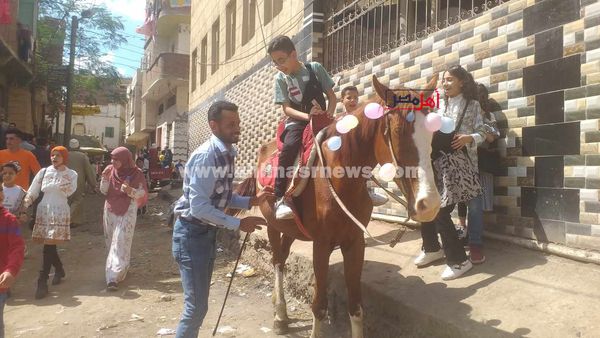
column 407, row 144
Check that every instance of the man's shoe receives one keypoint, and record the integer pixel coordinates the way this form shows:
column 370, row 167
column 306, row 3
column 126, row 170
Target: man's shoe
column 378, row 199
column 282, row 210
column 456, row 270
column 476, row 254
column 426, row 258
column 112, row 286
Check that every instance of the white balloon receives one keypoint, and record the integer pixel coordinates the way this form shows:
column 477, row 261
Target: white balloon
column 350, row 121
column 342, row 127
column 387, row 172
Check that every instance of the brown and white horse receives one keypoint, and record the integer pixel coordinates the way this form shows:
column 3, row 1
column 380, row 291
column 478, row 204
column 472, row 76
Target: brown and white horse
column 370, row 143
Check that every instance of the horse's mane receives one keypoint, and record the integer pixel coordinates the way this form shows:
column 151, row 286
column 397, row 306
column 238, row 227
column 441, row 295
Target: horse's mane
column 356, row 139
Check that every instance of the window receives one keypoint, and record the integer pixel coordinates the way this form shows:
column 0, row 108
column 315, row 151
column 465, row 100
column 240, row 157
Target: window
column 230, row 30
column 203, row 59
column 248, row 23
column 109, row 132
column 272, row 9
column 79, row 129
column 215, row 47
column 194, row 68
column 161, row 108
column 171, row 101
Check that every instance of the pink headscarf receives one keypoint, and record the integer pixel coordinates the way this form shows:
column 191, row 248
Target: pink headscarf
column 116, row 200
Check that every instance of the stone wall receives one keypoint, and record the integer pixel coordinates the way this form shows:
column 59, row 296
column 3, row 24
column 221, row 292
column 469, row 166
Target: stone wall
column 541, row 62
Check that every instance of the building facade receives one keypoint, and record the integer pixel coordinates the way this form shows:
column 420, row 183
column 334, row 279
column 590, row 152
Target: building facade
column 133, row 114
column 163, row 79
column 107, row 126
column 20, row 102
column 539, row 59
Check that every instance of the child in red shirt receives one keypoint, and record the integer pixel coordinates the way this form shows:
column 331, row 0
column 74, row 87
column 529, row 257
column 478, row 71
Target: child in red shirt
column 11, row 255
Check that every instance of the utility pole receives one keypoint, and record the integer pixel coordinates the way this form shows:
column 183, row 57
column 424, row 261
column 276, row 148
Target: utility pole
column 70, row 74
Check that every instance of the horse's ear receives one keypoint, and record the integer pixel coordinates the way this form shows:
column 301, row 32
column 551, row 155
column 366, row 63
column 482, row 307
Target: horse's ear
column 433, row 82
column 383, row 92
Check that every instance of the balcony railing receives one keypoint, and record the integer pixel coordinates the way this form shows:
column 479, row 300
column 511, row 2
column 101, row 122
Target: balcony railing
column 359, row 30
column 166, row 8
column 170, row 66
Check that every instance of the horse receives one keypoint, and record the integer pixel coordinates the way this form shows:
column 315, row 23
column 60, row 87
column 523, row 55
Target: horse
column 391, row 138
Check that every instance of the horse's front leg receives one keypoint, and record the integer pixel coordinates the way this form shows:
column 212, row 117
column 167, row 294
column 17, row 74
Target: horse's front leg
column 281, row 249
column 354, row 255
column 321, row 253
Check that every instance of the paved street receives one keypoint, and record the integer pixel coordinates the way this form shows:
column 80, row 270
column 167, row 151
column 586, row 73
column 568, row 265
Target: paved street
column 149, row 299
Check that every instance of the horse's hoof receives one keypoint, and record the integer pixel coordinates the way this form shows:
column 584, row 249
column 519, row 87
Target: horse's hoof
column 280, row 327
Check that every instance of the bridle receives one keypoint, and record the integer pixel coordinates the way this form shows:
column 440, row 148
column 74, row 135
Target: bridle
column 403, row 202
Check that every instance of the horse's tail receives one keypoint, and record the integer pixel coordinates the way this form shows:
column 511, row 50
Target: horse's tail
column 246, row 188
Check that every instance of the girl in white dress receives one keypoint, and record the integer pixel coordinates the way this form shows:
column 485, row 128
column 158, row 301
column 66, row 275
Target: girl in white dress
column 57, row 183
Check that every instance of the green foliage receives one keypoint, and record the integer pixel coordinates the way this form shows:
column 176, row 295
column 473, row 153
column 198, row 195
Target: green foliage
column 99, row 30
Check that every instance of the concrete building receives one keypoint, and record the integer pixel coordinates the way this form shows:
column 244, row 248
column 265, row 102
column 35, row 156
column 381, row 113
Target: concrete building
column 544, row 73
column 20, row 102
column 108, row 125
column 133, row 115
column 164, row 78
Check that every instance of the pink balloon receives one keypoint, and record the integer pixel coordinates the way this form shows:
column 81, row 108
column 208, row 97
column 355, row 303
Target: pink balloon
column 374, row 111
column 433, row 122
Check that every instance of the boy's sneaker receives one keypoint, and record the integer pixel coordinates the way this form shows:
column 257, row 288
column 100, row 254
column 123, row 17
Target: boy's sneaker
column 476, row 254
column 456, row 270
column 426, row 258
column 282, row 210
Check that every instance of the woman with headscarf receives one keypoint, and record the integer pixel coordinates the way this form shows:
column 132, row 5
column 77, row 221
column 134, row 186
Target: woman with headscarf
column 126, row 190
column 56, row 183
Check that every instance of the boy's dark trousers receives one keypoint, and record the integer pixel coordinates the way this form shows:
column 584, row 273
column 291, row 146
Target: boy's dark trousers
column 292, row 141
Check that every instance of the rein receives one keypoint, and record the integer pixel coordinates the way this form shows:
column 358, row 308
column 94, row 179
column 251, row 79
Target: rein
column 341, row 204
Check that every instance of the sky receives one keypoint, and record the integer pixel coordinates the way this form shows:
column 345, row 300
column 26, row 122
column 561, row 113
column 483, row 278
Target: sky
column 132, row 13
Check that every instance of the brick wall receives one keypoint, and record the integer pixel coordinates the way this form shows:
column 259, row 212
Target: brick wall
column 541, row 62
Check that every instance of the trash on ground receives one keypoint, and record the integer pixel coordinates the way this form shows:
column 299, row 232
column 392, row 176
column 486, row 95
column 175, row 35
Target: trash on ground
column 244, row 270
column 265, row 329
column 226, row 329
column 166, row 298
column 166, row 332
column 135, row 318
column 108, row 326
column 249, row 273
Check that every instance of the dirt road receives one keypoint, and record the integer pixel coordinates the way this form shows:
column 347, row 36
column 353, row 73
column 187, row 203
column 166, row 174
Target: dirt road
column 148, row 300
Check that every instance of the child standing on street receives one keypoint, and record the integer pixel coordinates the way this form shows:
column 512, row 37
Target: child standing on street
column 299, row 89
column 13, row 194
column 11, row 255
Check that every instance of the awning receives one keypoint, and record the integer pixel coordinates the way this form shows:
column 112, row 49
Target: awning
column 91, row 151
column 137, row 137
column 86, row 110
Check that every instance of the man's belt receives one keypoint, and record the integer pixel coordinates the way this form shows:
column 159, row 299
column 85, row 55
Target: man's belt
column 195, row 221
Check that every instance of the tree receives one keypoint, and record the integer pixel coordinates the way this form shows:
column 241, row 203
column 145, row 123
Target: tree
column 98, row 32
